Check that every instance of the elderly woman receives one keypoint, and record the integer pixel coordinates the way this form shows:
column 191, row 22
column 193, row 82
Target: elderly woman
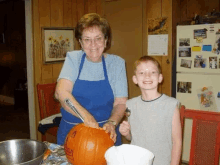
column 94, row 81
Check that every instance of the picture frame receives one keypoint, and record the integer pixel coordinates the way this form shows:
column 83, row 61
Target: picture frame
column 57, row 41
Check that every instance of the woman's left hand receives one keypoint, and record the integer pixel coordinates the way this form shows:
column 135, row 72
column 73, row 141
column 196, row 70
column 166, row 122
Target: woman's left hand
column 110, row 128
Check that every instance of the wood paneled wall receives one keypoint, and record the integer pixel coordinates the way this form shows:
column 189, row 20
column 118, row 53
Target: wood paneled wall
column 157, row 9
column 66, row 13
column 177, row 11
column 125, row 18
column 55, row 13
column 189, row 8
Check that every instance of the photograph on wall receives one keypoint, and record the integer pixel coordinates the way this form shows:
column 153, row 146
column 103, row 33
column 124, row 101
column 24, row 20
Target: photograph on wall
column 218, row 95
column 185, row 52
column 56, row 43
column 216, row 46
column 200, row 62
column 219, row 63
column 200, row 33
column 184, row 87
column 186, row 63
column 213, row 62
column 184, row 42
column 206, row 99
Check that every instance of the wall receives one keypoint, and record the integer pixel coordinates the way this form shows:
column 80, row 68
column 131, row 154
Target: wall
column 129, row 22
column 125, row 18
column 65, row 13
column 189, row 8
column 12, row 52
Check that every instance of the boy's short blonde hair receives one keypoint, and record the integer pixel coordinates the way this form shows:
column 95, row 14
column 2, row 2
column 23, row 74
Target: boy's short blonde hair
column 146, row 59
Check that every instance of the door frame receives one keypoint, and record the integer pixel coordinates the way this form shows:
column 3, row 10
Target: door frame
column 30, row 69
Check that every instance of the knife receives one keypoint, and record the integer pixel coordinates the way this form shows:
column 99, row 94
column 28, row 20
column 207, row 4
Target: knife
column 70, row 104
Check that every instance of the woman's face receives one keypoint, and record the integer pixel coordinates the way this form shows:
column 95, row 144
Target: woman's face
column 93, row 43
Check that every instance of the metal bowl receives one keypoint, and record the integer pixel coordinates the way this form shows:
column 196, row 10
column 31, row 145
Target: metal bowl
column 22, row 152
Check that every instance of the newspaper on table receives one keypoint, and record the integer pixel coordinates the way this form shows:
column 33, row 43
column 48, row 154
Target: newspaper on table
column 56, row 156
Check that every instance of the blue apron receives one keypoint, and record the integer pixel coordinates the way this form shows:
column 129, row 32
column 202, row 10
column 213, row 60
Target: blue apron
column 95, row 96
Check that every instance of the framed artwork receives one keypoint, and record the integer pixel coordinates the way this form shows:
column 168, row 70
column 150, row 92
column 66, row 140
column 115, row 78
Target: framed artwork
column 57, row 41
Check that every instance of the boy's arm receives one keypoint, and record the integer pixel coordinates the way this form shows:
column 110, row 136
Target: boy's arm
column 176, row 138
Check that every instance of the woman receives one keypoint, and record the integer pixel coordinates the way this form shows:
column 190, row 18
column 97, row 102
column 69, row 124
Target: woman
column 95, row 82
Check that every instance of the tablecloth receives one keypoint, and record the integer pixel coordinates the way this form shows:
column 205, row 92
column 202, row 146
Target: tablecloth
column 56, row 155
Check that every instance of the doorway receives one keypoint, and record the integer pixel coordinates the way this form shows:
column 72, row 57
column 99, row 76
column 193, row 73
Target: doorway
column 14, row 113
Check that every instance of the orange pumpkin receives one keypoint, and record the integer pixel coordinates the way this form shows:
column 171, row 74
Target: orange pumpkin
column 87, row 146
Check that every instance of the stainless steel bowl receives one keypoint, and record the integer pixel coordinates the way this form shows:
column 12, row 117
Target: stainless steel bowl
column 22, row 152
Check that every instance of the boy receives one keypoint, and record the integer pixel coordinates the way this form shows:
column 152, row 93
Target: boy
column 154, row 122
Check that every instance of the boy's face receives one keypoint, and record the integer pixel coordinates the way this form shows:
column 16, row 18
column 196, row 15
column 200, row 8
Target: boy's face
column 147, row 76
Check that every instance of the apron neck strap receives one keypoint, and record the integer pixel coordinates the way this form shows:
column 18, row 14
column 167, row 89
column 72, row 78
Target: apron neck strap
column 103, row 63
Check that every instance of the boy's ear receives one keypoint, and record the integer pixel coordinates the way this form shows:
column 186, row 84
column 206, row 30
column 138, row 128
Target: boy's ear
column 134, row 78
column 160, row 78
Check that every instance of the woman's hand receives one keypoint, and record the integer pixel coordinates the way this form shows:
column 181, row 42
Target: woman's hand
column 110, row 128
column 90, row 121
column 125, row 128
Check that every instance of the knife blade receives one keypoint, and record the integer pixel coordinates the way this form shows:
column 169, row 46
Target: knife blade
column 70, row 104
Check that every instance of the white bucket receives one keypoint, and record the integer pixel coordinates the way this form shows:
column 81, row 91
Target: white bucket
column 127, row 154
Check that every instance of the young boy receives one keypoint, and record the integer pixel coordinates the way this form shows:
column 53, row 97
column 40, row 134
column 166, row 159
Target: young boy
column 154, row 122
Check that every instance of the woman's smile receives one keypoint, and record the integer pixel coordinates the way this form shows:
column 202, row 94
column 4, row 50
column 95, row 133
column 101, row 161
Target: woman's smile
column 93, row 43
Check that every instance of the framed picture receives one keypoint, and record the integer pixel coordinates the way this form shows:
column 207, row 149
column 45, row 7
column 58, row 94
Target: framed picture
column 57, row 41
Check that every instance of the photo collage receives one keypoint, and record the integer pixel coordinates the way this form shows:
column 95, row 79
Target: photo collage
column 198, row 64
column 200, row 61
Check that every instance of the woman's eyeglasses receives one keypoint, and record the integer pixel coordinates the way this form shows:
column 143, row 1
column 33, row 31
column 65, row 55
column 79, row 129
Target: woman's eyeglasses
column 88, row 41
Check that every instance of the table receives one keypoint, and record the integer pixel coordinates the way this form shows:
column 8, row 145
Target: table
column 57, row 155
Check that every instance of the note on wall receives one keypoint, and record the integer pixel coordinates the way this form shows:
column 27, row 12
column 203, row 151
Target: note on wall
column 158, row 45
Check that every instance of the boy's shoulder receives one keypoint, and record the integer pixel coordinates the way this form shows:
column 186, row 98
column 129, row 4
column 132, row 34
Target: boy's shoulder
column 168, row 98
column 133, row 100
column 163, row 98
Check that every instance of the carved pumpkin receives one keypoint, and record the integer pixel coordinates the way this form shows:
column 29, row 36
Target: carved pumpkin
column 87, row 146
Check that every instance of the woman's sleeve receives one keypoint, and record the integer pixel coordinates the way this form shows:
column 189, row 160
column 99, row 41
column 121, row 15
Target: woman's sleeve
column 69, row 70
column 121, row 86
